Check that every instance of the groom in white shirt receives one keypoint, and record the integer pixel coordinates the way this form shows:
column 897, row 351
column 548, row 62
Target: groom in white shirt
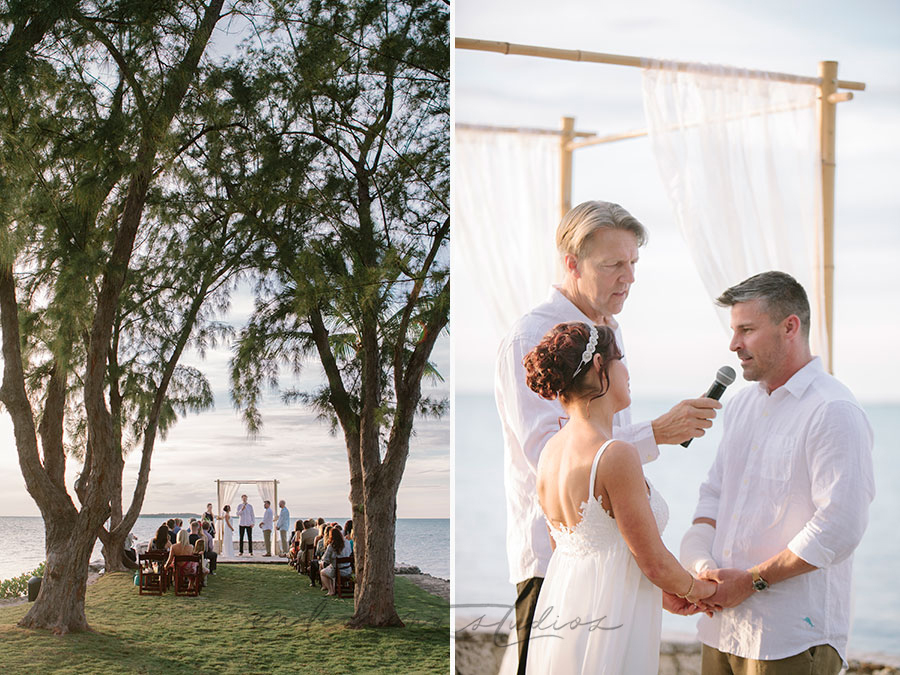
column 786, row 501
column 266, row 525
column 245, row 513
column 598, row 242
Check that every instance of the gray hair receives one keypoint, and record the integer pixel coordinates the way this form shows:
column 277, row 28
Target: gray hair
column 577, row 226
column 782, row 295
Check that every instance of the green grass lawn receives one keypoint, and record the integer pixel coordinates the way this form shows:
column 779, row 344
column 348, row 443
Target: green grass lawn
column 249, row 619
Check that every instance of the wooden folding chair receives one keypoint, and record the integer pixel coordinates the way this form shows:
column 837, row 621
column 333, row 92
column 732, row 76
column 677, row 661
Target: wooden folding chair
column 152, row 574
column 344, row 580
column 187, row 583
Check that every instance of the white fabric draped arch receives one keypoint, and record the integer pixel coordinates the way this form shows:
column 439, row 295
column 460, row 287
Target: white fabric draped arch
column 505, row 212
column 227, row 490
column 739, row 157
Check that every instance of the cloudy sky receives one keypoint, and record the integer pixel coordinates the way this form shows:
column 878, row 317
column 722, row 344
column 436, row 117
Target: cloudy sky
column 670, row 324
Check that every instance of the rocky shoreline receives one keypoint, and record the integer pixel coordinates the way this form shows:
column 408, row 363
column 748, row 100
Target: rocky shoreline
column 481, row 653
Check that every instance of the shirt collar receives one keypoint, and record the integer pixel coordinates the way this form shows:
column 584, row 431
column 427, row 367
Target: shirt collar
column 800, row 381
column 557, row 297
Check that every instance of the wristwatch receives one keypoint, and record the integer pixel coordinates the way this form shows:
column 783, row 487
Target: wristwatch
column 759, row 584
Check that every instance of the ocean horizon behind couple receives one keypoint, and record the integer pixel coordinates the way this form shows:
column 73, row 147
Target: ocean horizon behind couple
column 779, row 516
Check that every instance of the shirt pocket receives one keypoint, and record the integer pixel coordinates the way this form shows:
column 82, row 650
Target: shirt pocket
column 777, row 457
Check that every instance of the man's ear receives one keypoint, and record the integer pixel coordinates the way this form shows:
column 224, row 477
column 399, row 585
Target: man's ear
column 791, row 326
column 570, row 263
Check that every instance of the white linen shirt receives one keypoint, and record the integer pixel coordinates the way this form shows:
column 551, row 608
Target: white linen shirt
column 528, row 422
column 793, row 470
column 284, row 520
column 246, row 514
column 268, row 519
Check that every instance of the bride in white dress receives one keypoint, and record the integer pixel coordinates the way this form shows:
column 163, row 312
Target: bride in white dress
column 599, row 608
column 227, row 533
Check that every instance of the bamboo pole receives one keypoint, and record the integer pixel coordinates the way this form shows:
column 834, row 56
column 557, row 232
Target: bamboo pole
column 520, row 130
column 219, row 531
column 827, row 118
column 565, row 172
column 633, row 61
column 276, row 547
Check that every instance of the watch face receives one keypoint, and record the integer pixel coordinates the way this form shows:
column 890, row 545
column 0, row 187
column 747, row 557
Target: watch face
column 760, row 584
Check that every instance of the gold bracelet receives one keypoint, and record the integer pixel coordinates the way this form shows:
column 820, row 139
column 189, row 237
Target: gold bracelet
column 689, row 590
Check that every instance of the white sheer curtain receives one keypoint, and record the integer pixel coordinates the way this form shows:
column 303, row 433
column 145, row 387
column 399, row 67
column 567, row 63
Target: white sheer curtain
column 505, row 213
column 267, row 491
column 739, row 158
column 227, row 491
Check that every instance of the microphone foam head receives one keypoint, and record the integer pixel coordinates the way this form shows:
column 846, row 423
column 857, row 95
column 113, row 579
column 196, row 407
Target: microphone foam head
column 725, row 375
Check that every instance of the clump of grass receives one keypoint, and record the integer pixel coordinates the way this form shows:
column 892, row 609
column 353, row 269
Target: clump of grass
column 250, row 619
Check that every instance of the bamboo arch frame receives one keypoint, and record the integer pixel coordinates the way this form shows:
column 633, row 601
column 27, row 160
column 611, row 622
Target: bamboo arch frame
column 220, row 530
column 826, row 113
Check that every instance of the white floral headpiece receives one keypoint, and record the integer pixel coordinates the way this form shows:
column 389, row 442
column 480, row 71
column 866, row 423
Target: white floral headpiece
column 588, row 352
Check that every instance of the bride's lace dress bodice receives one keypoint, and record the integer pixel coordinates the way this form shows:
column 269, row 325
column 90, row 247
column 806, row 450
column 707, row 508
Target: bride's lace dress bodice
column 597, row 531
column 595, row 595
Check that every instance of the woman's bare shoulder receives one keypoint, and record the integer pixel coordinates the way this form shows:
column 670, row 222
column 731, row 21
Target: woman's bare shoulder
column 621, row 456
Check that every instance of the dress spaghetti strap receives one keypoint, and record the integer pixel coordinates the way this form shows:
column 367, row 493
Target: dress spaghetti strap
column 594, row 467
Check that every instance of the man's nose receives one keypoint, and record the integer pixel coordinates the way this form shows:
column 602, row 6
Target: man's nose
column 628, row 273
column 735, row 343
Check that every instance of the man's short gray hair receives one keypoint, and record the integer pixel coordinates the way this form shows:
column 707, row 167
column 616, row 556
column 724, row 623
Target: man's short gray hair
column 782, row 295
column 577, row 226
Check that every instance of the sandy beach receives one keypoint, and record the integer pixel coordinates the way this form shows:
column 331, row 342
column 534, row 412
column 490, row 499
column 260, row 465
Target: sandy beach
column 482, row 653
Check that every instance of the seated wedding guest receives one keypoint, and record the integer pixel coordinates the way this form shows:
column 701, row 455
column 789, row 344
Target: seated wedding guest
column 293, row 550
column 200, row 549
column 178, row 525
column 338, row 548
column 170, row 523
column 319, row 549
column 307, row 544
column 348, row 530
column 310, row 533
column 181, row 547
column 129, row 551
column 298, row 529
column 323, row 541
column 161, row 541
column 210, row 553
column 195, row 532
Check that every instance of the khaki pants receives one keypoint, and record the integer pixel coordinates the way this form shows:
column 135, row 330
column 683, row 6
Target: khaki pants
column 819, row 660
column 284, row 542
column 267, row 538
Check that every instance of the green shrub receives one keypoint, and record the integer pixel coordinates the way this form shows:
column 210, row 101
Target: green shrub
column 18, row 586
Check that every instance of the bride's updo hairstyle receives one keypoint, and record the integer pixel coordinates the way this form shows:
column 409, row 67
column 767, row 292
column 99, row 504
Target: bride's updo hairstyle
column 556, row 368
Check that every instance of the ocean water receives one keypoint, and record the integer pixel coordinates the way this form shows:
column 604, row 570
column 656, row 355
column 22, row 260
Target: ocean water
column 481, row 573
column 423, row 542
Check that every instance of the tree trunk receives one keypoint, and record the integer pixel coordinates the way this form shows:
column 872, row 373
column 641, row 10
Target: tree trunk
column 375, row 586
column 60, row 604
column 113, row 550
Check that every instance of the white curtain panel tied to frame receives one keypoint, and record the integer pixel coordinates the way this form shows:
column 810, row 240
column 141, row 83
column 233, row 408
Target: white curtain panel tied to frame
column 739, row 157
column 505, row 210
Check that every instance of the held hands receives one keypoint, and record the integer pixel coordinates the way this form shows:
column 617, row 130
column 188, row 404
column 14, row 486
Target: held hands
column 681, row 606
column 733, row 587
column 688, row 419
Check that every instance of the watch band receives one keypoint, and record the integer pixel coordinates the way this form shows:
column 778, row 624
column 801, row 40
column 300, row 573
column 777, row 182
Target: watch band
column 759, row 584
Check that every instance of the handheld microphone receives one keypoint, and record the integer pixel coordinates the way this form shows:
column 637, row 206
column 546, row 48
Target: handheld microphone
column 724, row 376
